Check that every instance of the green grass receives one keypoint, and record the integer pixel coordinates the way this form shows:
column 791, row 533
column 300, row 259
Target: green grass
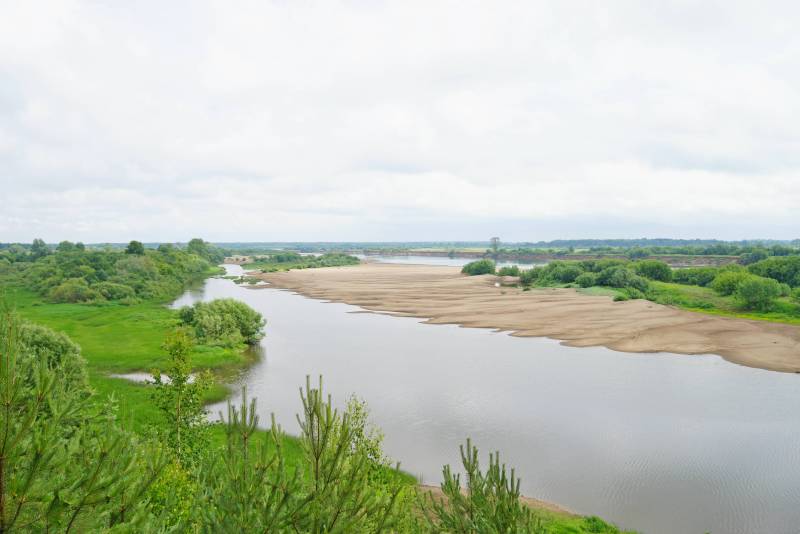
column 705, row 300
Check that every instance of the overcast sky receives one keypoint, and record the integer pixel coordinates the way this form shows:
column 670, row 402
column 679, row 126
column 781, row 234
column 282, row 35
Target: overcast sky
column 366, row 120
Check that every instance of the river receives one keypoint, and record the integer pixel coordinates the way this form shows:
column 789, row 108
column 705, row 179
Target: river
column 657, row 442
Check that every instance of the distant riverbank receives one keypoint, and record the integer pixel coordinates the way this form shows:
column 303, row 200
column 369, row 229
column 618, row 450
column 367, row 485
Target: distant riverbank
column 443, row 296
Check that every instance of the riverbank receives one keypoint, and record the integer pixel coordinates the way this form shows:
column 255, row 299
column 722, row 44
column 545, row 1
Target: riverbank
column 441, row 295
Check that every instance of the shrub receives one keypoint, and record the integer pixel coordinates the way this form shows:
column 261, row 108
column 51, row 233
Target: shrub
column 695, row 276
column 756, row 293
column 226, row 322
column 114, row 291
column 587, row 280
column 785, row 269
column 654, row 270
column 796, row 295
column 563, row 272
column 621, row 277
column 512, row 270
column 484, row 266
column 74, row 290
column 726, row 282
column 530, row 276
column 490, row 502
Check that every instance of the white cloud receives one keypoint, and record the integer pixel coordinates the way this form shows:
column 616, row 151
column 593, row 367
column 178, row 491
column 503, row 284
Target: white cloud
column 398, row 120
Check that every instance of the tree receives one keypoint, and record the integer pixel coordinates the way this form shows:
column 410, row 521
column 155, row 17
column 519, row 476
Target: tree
column 756, row 293
column 64, row 464
column 250, row 489
column 65, row 246
column 495, row 244
column 179, row 396
column 484, row 266
column 39, row 249
column 489, row 503
column 654, row 270
column 227, row 322
column 135, row 247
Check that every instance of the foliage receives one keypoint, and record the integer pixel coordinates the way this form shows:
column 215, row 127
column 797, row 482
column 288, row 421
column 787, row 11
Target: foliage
column 508, row 270
column 587, row 279
column 621, row 277
column 64, row 463
column 74, row 290
column 226, row 322
column 478, row 267
column 796, row 295
column 254, row 491
column 179, row 396
column 284, row 261
column 654, row 270
column 756, row 293
column 726, row 282
column 784, row 269
column 695, row 276
column 74, row 274
column 489, row 502
column 530, row 276
column 135, row 247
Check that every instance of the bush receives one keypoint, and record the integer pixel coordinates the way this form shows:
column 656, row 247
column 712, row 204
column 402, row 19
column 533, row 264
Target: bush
column 726, row 282
column 74, row 290
column 512, row 270
column 785, row 269
column 530, row 276
column 695, row 276
column 621, row 277
column 587, row 280
column 227, row 322
column 113, row 291
column 483, row 266
column 563, row 272
column 756, row 293
column 654, row 270
column 796, row 295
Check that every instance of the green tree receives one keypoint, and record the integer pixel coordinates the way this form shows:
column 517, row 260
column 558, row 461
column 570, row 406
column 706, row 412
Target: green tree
column 64, row 464
column 226, row 322
column 39, row 249
column 756, row 293
column 179, row 396
column 654, row 270
column 135, row 247
column 484, row 266
column 65, row 246
column 489, row 503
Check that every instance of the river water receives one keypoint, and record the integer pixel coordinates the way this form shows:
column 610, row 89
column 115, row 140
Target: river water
column 661, row 443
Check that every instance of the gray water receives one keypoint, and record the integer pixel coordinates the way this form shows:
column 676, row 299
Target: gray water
column 657, row 442
column 438, row 260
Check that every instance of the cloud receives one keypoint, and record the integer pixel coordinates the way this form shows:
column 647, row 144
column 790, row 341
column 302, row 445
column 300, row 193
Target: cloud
column 398, row 120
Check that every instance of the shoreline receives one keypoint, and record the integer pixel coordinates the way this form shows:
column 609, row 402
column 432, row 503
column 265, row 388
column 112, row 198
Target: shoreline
column 441, row 295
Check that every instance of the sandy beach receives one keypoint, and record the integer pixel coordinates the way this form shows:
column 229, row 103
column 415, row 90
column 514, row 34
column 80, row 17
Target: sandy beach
column 442, row 295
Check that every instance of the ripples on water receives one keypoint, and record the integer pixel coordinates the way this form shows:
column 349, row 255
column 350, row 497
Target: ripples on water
column 659, row 442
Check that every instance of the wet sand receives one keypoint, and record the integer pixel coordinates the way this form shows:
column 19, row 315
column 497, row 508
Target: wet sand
column 442, row 295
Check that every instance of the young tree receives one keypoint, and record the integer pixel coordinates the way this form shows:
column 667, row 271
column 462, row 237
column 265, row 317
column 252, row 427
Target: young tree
column 490, row 502
column 179, row 396
column 64, row 464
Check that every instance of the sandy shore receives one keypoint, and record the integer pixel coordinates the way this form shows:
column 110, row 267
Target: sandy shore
column 443, row 296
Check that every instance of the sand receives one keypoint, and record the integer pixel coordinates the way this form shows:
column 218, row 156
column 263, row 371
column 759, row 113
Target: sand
column 444, row 296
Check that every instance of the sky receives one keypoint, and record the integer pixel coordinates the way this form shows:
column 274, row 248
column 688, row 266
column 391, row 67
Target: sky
column 398, row 121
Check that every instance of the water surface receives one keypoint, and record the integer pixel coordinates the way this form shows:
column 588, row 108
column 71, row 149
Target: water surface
column 658, row 442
